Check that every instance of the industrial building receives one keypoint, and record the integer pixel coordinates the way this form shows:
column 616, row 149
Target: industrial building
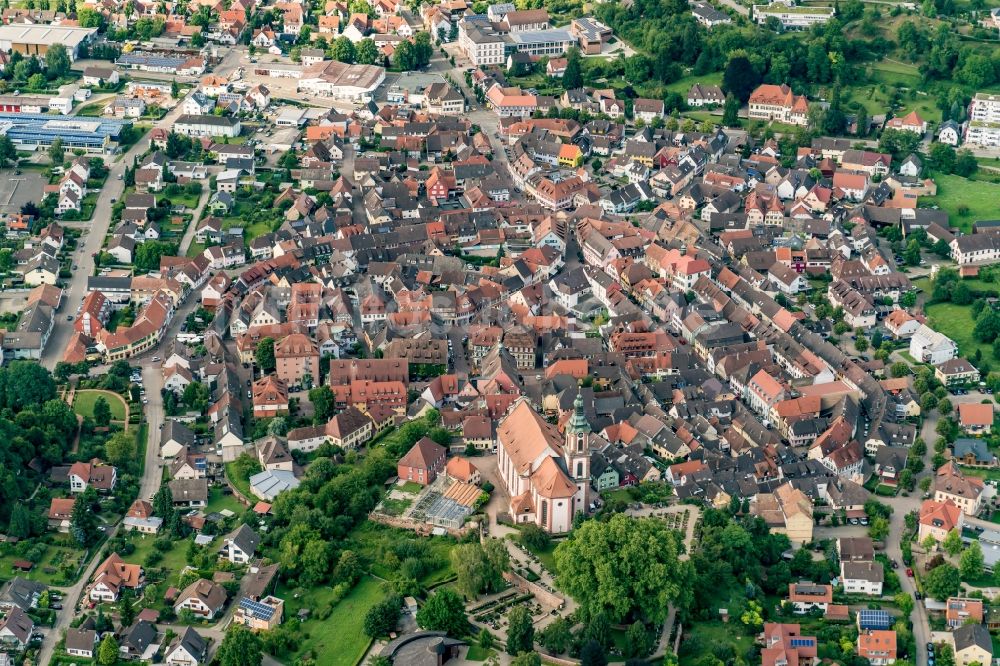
column 36, row 39
column 34, row 131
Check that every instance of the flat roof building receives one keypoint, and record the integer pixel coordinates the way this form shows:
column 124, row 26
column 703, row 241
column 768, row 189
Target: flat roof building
column 36, row 39
column 33, row 130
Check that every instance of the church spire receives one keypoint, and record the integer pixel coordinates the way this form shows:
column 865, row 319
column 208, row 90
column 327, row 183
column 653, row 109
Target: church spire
column 578, row 422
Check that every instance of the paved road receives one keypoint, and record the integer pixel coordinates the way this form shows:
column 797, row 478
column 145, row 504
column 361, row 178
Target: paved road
column 91, row 243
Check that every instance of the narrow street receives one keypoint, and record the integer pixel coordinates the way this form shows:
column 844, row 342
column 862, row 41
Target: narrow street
column 92, row 240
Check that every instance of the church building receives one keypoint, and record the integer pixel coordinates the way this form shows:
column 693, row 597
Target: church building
column 547, row 475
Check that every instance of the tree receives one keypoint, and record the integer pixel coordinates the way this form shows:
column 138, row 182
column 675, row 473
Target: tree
column 102, row 412
column 107, row 651
column 343, row 50
column 264, row 354
column 952, row 543
column 740, row 78
column 348, row 569
column 941, row 157
column 965, row 163
column 904, row 602
column 163, row 502
column 573, row 75
column 899, row 369
column 383, row 616
column 480, row 567
column 56, row 152
column 485, row 639
column 557, row 636
column 83, row 522
column 520, row 631
column 731, row 111
column 638, row 643
column 944, row 406
column 626, row 567
column 89, row 18
column 147, row 255
column 444, row 611
column 879, row 529
column 971, row 564
column 8, row 152
column 527, row 659
column 942, row 582
column 323, row 402
column 534, row 537
column 367, row 53
column 861, row 343
column 592, row 654
column 57, row 61
column 20, row 521
column 911, row 255
column 121, row 449
column 240, row 647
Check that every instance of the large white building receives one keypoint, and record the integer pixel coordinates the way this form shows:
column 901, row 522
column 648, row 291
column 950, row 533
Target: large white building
column 791, row 15
column 36, row 39
column 547, row 477
column 976, row 249
column 929, row 346
column 481, row 43
column 353, row 83
column 207, row 125
column 984, row 120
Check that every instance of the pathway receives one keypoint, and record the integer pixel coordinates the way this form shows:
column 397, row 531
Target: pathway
column 193, row 225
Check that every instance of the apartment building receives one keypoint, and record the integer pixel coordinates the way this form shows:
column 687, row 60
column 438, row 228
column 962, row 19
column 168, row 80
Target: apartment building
column 984, row 120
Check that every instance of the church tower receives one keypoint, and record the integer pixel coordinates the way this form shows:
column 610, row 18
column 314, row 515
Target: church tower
column 576, row 452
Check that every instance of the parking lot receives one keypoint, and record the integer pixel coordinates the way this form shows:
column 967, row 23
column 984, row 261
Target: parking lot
column 17, row 189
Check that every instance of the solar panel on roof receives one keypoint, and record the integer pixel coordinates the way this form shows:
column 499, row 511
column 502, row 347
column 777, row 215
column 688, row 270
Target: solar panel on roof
column 257, row 609
column 874, row 619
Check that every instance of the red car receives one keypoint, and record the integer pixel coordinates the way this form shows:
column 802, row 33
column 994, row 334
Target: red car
column 909, row 572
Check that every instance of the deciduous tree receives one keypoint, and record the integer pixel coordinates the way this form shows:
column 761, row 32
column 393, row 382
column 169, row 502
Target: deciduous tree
column 627, row 567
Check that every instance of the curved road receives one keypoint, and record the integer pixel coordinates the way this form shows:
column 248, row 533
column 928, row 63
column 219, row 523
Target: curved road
column 62, row 330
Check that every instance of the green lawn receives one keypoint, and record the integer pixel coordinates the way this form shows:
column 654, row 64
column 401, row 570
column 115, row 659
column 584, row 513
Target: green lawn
column 702, row 637
column 547, row 556
column 242, row 483
column 337, row 640
column 477, row 653
column 83, row 403
column 411, row 487
column 684, row 84
column 956, row 322
column 954, row 191
column 195, row 249
column 218, row 501
column 173, row 560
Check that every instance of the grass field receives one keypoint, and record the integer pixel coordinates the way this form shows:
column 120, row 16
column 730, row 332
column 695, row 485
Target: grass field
column 173, row 560
column 83, row 403
column 337, row 640
column 218, row 501
column 954, row 191
column 955, row 321
column 684, row 84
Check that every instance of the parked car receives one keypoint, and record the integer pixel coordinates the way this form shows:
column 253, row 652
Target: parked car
column 909, row 572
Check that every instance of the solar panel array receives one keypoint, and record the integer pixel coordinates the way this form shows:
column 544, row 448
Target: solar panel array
column 874, row 619
column 256, row 609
